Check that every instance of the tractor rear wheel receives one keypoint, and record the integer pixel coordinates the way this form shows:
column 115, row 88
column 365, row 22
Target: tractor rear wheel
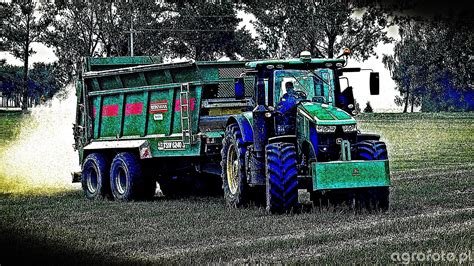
column 126, row 179
column 377, row 198
column 282, row 182
column 234, row 181
column 371, row 150
column 94, row 179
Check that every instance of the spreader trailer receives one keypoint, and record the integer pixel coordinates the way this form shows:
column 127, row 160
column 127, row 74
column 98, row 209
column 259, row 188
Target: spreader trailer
column 268, row 128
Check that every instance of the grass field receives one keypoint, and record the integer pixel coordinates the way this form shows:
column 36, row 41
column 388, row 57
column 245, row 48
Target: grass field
column 432, row 210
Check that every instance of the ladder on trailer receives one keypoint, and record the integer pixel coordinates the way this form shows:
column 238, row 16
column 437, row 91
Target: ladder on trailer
column 185, row 114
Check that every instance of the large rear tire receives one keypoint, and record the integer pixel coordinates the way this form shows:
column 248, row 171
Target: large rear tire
column 126, row 179
column 377, row 198
column 234, row 181
column 281, row 177
column 94, row 179
column 371, row 150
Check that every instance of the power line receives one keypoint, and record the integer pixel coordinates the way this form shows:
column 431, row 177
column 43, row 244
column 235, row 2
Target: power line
column 185, row 30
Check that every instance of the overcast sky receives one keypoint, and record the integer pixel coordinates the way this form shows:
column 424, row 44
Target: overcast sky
column 359, row 81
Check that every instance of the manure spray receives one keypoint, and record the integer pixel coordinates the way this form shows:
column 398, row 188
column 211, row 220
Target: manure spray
column 41, row 157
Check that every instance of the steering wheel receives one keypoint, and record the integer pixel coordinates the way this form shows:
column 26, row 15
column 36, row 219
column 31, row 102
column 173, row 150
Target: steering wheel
column 301, row 94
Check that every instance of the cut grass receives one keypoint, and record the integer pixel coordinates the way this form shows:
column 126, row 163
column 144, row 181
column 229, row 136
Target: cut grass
column 432, row 208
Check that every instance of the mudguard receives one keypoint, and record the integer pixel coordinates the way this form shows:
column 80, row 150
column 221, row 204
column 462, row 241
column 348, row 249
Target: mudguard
column 244, row 121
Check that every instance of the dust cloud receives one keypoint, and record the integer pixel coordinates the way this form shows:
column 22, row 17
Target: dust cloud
column 41, row 156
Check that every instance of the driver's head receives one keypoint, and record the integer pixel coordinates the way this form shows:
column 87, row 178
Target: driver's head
column 289, row 87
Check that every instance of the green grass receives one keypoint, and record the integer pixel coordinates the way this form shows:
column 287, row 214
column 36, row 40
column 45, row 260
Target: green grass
column 432, row 207
column 8, row 126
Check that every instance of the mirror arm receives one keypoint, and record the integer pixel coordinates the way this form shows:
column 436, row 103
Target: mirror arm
column 346, row 80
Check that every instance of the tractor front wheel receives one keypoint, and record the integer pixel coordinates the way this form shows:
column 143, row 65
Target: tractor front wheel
column 233, row 175
column 376, row 198
column 282, row 182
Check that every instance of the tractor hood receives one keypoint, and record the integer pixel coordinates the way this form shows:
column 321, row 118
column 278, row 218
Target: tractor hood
column 325, row 114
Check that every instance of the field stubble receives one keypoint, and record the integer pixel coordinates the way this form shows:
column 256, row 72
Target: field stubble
column 432, row 208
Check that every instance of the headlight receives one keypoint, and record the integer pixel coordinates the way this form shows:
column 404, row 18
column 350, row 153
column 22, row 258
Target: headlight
column 349, row 128
column 326, row 129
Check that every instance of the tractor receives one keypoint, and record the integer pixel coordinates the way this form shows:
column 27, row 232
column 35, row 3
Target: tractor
column 301, row 135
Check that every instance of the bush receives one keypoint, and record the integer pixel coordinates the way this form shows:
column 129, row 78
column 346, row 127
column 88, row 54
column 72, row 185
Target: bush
column 368, row 108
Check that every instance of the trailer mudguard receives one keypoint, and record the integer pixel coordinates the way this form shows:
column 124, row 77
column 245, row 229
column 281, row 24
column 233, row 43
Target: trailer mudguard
column 143, row 146
column 244, row 121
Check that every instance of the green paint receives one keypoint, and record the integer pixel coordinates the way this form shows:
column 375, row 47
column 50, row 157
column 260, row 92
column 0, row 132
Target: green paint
column 133, row 124
column 323, row 114
column 97, row 105
column 110, row 125
column 294, row 62
column 214, row 134
column 106, row 63
column 350, row 174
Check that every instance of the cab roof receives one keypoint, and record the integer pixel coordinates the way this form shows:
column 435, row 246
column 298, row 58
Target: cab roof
column 294, row 63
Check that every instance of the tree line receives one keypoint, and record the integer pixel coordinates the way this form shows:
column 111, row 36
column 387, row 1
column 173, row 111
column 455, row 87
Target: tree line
column 209, row 30
column 432, row 64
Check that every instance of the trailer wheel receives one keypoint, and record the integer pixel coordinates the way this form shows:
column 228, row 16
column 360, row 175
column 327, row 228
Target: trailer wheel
column 95, row 182
column 377, row 198
column 234, row 181
column 282, row 182
column 126, row 178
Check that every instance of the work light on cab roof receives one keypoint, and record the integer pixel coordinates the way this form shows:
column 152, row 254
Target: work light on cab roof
column 305, row 56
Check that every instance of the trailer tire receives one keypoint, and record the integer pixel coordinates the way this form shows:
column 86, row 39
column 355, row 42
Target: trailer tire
column 94, row 179
column 234, row 181
column 377, row 198
column 281, row 178
column 126, row 179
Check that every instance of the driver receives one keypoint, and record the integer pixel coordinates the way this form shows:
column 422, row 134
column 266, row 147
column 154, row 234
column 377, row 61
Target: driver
column 286, row 121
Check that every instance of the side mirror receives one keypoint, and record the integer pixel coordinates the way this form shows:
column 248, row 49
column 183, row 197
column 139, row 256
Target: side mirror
column 374, row 83
column 239, row 88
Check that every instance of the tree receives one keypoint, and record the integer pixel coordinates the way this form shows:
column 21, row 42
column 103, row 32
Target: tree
column 432, row 63
column 197, row 30
column 406, row 65
column 22, row 27
column 322, row 27
column 11, row 81
column 73, row 34
column 206, row 30
column 43, row 80
column 368, row 108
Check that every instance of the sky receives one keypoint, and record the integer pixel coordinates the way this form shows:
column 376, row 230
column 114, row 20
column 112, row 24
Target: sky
column 359, row 81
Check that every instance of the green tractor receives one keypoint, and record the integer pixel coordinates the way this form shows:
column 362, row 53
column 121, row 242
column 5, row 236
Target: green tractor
column 301, row 134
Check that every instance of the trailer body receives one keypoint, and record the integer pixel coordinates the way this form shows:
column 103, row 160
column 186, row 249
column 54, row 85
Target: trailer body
column 160, row 110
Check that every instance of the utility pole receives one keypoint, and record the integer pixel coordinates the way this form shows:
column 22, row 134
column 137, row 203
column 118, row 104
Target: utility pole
column 131, row 35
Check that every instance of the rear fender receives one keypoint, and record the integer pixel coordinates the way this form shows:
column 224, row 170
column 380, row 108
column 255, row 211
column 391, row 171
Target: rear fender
column 245, row 125
column 367, row 136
